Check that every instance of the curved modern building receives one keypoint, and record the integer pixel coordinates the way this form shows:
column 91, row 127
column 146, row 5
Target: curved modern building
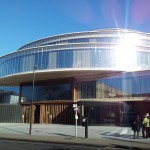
column 106, row 72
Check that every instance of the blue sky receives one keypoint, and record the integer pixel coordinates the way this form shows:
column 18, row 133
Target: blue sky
column 23, row 21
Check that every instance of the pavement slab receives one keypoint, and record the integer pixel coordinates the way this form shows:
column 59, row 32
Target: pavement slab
column 118, row 137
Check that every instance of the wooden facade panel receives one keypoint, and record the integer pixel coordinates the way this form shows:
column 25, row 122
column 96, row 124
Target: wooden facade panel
column 50, row 113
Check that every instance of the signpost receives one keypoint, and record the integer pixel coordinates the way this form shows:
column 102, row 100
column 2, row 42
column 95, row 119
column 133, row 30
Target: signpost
column 76, row 117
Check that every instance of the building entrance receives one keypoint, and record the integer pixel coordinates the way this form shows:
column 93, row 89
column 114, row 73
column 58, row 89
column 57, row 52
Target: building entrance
column 37, row 114
column 113, row 113
column 103, row 113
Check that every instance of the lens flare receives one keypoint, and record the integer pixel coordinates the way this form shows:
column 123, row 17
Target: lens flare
column 125, row 52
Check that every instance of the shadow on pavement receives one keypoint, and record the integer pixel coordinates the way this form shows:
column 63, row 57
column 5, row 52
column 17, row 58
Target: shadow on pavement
column 60, row 134
column 14, row 130
column 118, row 135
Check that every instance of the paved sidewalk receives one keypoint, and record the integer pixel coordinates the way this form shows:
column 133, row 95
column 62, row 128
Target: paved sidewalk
column 105, row 136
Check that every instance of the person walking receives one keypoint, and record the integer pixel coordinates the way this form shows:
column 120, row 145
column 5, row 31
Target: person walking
column 136, row 127
column 148, row 128
column 145, row 124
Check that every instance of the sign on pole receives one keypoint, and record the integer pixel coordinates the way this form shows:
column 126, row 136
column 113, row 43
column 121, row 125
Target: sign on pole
column 76, row 117
column 74, row 105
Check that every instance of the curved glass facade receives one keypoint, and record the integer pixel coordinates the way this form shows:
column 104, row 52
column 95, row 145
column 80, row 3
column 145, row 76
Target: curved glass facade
column 112, row 49
column 108, row 66
column 107, row 49
column 127, row 86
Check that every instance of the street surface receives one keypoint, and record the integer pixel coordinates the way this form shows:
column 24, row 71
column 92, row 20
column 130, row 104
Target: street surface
column 69, row 130
column 21, row 145
column 99, row 137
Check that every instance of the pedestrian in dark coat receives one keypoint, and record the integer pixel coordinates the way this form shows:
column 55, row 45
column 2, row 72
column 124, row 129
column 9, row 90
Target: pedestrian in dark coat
column 136, row 127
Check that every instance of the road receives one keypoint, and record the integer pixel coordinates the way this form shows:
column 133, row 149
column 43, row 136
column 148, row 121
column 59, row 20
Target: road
column 119, row 137
column 22, row 145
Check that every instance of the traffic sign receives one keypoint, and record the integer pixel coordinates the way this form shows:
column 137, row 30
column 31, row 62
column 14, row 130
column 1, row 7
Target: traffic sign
column 74, row 105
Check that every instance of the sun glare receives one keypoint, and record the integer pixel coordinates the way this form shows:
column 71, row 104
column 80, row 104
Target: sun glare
column 125, row 52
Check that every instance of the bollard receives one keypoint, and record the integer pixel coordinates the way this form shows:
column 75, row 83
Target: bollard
column 86, row 130
column 85, row 124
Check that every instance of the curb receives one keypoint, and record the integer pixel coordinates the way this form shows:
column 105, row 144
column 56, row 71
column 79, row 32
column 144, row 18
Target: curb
column 103, row 142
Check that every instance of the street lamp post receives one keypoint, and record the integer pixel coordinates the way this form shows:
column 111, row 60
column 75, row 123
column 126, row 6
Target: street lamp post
column 31, row 108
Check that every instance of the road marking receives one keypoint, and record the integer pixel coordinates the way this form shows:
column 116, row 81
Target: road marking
column 124, row 131
column 131, row 133
column 113, row 131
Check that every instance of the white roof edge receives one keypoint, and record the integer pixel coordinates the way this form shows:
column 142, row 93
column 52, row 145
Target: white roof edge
column 103, row 29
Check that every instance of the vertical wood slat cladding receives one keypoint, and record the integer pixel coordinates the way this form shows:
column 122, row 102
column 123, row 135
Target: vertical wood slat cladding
column 51, row 113
column 26, row 114
column 74, row 91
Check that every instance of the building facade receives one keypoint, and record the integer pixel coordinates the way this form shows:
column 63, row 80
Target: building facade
column 106, row 72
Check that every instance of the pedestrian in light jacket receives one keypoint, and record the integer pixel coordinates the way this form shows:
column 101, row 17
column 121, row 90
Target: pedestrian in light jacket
column 145, row 124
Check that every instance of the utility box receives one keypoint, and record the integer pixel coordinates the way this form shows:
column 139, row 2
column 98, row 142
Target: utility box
column 84, row 120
